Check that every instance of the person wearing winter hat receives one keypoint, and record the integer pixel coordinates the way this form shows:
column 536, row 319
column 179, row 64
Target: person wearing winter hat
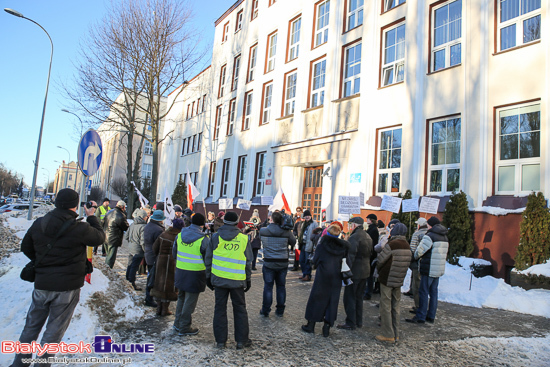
column 135, row 240
column 187, row 213
column 305, row 244
column 372, row 231
column 228, row 262
column 178, row 211
column 422, row 228
column 393, row 263
column 218, row 222
column 152, row 230
column 254, row 236
column 100, row 214
column 114, row 224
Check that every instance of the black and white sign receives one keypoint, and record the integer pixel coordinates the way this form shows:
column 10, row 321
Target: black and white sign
column 428, row 205
column 349, row 205
column 391, row 203
column 226, row 203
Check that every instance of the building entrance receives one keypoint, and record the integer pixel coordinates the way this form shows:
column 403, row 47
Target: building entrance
column 313, row 191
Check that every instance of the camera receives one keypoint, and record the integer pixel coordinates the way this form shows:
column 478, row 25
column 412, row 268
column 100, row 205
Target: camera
column 90, row 205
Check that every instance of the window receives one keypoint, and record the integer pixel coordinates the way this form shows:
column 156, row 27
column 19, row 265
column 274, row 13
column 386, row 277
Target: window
column 199, row 141
column 239, row 23
column 447, row 33
column 355, row 13
column 445, row 156
column 318, row 83
column 251, row 63
column 290, row 93
column 518, row 152
column 217, row 122
column 241, row 176
column 519, row 22
column 394, row 55
column 222, row 80
column 147, row 171
column 188, row 108
column 147, row 148
column 266, row 103
column 321, row 23
column 225, row 177
column 225, row 32
column 271, row 2
column 390, row 4
column 193, row 145
column 259, row 185
column 198, row 104
column 212, row 179
column 183, row 148
column 204, row 103
column 389, row 156
column 70, row 177
column 271, row 51
column 236, row 69
column 189, row 145
column 352, row 70
column 247, row 114
column 294, row 38
column 192, row 108
column 254, row 12
column 231, row 116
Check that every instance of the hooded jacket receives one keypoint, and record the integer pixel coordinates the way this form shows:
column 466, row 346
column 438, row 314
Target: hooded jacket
column 359, row 253
column 393, row 262
column 115, row 224
column 152, row 230
column 135, row 238
column 432, row 251
column 186, row 280
column 276, row 242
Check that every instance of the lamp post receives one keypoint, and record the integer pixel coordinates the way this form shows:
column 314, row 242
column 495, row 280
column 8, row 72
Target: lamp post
column 83, row 181
column 69, row 166
column 33, row 187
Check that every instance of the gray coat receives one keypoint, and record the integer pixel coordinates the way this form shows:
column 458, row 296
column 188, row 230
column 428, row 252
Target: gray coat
column 308, row 236
column 153, row 229
column 135, row 238
column 359, row 253
column 393, row 262
column 276, row 242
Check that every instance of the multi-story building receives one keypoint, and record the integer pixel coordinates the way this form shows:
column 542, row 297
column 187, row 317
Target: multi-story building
column 327, row 98
column 67, row 175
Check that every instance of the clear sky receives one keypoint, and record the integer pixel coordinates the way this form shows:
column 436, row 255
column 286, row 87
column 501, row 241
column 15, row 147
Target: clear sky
column 24, row 60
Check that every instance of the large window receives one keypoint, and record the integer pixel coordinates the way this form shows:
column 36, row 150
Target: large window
column 254, row 12
column 212, row 179
column 217, row 122
column 389, row 158
column 355, row 14
column 241, row 176
column 271, row 51
column 225, row 32
column 199, row 141
column 352, row 70
column 247, row 114
column 251, row 62
column 321, row 23
column 223, row 71
column 231, row 116
column 146, row 171
column 147, row 148
column 265, row 118
column 518, row 153
column 394, row 55
column 390, row 4
column 239, row 22
column 203, row 103
column 444, row 171
column 519, row 22
column 318, row 83
column 225, row 177
column 294, row 41
column 260, row 174
column 236, row 69
column 290, row 93
column 447, row 35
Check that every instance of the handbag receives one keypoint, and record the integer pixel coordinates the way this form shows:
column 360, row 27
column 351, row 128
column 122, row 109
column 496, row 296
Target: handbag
column 28, row 273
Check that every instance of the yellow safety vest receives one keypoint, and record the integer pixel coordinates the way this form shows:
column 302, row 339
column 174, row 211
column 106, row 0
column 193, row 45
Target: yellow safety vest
column 103, row 211
column 229, row 260
column 189, row 255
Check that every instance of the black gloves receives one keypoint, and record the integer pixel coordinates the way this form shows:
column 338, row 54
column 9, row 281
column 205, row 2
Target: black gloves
column 209, row 284
column 248, row 285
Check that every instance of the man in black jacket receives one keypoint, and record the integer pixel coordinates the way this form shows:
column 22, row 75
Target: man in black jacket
column 372, row 231
column 114, row 224
column 60, row 269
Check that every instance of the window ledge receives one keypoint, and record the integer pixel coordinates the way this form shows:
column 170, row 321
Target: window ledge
column 391, row 85
column 238, row 30
column 347, row 98
column 267, row 72
column 263, row 124
column 395, row 7
column 517, row 47
column 440, row 70
column 312, row 108
column 351, row 29
column 285, row 117
column 319, row 45
column 289, row 61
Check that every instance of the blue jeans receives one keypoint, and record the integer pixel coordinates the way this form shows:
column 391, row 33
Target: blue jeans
column 133, row 267
column 428, row 287
column 277, row 276
column 304, row 263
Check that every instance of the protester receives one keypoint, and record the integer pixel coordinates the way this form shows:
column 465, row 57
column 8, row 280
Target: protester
column 115, row 224
column 299, row 213
column 100, row 214
column 432, row 255
column 422, row 228
column 359, row 256
column 253, row 233
column 59, row 269
column 135, row 239
column 322, row 305
column 298, row 222
column 209, row 225
column 152, row 230
column 372, row 231
column 393, row 263
column 189, row 251
column 178, row 211
column 187, row 213
column 306, row 245
column 275, row 242
column 218, row 222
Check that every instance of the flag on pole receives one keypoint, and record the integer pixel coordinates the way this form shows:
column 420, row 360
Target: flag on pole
column 142, row 198
column 280, row 202
column 168, row 208
column 192, row 191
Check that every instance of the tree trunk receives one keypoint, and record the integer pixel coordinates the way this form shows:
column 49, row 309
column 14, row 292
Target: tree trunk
column 129, row 174
column 154, row 174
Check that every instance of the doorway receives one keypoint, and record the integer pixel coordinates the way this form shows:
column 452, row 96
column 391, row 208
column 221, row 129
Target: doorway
column 313, row 191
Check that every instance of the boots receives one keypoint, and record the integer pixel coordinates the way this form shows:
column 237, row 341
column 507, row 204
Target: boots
column 136, row 288
column 326, row 329
column 310, row 327
column 165, row 309
column 159, row 308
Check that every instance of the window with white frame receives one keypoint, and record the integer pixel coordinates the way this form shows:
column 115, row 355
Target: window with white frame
column 252, row 62
column 194, row 144
column 321, row 23
column 147, row 171
column 390, row 4
column 518, row 149
column 447, row 35
column 352, row 70
column 389, row 156
column 260, row 177
column 225, row 177
column 225, row 32
column 231, row 118
column 294, row 49
column 239, row 23
column 271, row 52
column 290, row 93
column 445, row 156
column 199, row 141
column 266, row 110
column 222, row 80
column 241, row 176
column 217, row 123
column 212, row 179
column 247, row 110
column 183, row 148
column 519, row 22
column 355, row 13
column 254, row 13
column 318, row 83
column 147, row 148
column 189, row 145
column 236, row 69
column 394, row 55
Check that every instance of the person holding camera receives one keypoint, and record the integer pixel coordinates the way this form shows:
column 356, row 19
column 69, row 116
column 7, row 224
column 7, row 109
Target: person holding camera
column 56, row 243
column 115, row 224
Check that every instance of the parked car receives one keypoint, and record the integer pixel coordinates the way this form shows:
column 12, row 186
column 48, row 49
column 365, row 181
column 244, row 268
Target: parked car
column 16, row 207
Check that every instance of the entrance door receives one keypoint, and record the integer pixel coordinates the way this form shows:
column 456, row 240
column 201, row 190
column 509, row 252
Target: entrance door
column 312, row 191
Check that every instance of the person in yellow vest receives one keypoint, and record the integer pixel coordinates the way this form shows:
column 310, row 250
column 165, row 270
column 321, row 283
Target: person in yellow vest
column 228, row 264
column 190, row 278
column 100, row 214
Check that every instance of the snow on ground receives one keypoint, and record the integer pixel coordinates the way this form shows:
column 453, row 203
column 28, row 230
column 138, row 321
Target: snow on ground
column 540, row 269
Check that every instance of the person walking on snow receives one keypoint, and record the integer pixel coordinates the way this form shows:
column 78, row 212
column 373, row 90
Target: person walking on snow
column 135, row 239
column 152, row 230
column 115, row 224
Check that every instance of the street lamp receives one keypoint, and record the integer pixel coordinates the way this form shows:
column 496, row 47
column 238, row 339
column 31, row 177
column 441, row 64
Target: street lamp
column 69, row 166
column 83, row 181
column 33, row 188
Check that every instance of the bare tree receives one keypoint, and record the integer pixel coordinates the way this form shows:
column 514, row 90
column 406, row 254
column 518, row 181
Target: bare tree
column 118, row 185
column 9, row 180
column 97, row 195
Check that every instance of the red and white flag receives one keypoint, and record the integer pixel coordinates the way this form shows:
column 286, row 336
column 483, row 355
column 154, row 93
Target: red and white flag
column 192, row 191
column 279, row 202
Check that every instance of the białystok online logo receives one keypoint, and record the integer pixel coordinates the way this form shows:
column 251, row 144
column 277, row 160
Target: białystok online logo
column 101, row 344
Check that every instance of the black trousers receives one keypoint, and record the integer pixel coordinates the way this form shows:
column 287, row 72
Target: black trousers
column 240, row 316
column 353, row 302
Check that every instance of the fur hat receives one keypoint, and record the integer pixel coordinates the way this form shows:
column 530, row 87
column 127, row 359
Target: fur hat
column 399, row 230
column 433, row 221
column 177, row 223
column 66, row 199
column 197, row 219
column 231, row 218
column 335, row 228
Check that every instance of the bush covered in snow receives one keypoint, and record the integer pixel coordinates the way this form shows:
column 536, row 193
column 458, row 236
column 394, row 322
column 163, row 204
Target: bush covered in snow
column 534, row 239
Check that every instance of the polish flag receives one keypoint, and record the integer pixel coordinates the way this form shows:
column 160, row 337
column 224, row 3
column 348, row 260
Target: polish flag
column 280, row 202
column 192, row 192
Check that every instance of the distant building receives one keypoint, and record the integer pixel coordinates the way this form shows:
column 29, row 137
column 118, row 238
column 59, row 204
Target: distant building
column 67, row 175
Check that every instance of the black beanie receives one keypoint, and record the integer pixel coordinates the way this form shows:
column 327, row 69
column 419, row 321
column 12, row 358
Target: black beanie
column 197, row 219
column 66, row 199
column 433, row 221
column 307, row 213
column 231, row 218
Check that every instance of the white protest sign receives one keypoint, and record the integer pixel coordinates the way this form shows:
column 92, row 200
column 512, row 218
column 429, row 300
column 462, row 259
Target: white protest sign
column 244, row 204
column 225, row 203
column 343, row 217
column 410, row 205
column 428, row 205
column 361, row 198
column 267, row 200
column 391, row 203
column 349, row 205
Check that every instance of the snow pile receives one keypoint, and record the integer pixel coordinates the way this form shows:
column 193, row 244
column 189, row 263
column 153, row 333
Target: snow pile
column 497, row 211
column 540, row 269
column 19, row 225
column 467, row 262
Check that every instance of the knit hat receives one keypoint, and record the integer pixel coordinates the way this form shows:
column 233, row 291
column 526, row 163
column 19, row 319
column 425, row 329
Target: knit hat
column 399, row 230
column 421, row 222
column 177, row 208
column 197, row 219
column 221, row 213
column 307, row 213
column 357, row 220
column 335, row 228
column 372, row 217
column 66, row 199
column 393, row 221
column 158, row 215
column 433, row 221
column 106, row 199
column 121, row 204
column 177, row 223
column 231, row 218
column 188, row 212
column 255, row 213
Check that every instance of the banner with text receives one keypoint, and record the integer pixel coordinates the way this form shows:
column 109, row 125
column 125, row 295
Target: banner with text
column 391, row 203
column 226, row 203
column 410, row 205
column 349, row 205
column 244, row 204
column 428, row 205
